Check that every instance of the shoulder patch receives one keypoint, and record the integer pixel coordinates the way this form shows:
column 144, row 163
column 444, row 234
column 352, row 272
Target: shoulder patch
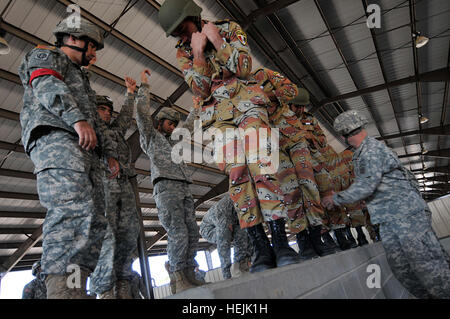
column 242, row 37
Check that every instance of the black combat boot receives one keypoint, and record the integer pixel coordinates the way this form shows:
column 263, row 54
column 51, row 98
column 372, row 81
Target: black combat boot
column 263, row 255
column 305, row 248
column 361, row 236
column 285, row 255
column 322, row 243
column 351, row 239
column 342, row 241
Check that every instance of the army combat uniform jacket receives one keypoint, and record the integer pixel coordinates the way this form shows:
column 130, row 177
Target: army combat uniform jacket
column 384, row 184
column 57, row 95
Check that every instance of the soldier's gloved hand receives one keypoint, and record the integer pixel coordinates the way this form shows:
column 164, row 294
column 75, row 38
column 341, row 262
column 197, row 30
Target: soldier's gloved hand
column 114, row 167
column 327, row 202
column 87, row 137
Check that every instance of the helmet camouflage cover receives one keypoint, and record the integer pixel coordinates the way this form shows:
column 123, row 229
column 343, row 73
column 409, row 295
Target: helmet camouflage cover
column 35, row 267
column 168, row 113
column 84, row 28
column 104, row 100
column 349, row 121
column 173, row 12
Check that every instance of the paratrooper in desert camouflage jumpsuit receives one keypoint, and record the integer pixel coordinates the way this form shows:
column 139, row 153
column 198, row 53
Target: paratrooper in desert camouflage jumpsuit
column 216, row 63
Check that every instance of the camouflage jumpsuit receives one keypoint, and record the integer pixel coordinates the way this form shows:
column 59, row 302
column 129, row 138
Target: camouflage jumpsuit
column 393, row 199
column 171, row 190
column 323, row 159
column 230, row 102
column 296, row 172
column 122, row 231
column 220, row 226
column 69, row 179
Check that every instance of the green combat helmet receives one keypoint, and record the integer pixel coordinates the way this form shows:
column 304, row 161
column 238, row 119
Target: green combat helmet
column 79, row 30
column 168, row 113
column 173, row 12
column 36, row 266
column 349, row 121
column 302, row 98
column 104, row 100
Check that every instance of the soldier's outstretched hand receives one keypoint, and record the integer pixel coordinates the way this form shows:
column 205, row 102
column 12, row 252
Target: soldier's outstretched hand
column 87, row 138
column 144, row 74
column 130, row 84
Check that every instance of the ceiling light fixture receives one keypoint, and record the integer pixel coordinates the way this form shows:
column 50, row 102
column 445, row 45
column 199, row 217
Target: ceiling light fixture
column 419, row 40
column 4, row 46
column 423, row 119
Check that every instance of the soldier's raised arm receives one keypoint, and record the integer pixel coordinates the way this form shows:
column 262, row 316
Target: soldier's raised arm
column 123, row 121
column 143, row 115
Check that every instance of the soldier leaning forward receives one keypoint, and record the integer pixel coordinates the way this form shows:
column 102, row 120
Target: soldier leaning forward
column 393, row 198
column 220, row 226
column 216, row 64
column 60, row 127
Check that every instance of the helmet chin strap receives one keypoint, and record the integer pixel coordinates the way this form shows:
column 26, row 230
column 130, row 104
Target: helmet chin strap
column 84, row 60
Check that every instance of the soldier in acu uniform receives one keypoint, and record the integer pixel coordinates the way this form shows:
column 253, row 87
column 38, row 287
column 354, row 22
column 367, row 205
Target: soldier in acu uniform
column 35, row 289
column 220, row 226
column 393, row 199
column 111, row 279
column 65, row 138
column 216, row 63
column 171, row 182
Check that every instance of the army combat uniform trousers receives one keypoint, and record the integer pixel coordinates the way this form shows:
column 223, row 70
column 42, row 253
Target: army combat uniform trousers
column 254, row 186
column 69, row 184
column 176, row 213
column 416, row 256
column 224, row 237
column 120, row 241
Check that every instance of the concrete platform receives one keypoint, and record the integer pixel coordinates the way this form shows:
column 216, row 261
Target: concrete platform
column 343, row 275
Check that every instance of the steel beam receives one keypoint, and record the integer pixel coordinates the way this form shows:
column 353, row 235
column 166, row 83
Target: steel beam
column 437, row 130
column 439, row 75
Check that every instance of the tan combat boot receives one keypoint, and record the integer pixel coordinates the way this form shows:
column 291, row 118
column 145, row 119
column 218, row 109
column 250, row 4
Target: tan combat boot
column 181, row 282
column 173, row 286
column 123, row 289
column 190, row 275
column 240, row 268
